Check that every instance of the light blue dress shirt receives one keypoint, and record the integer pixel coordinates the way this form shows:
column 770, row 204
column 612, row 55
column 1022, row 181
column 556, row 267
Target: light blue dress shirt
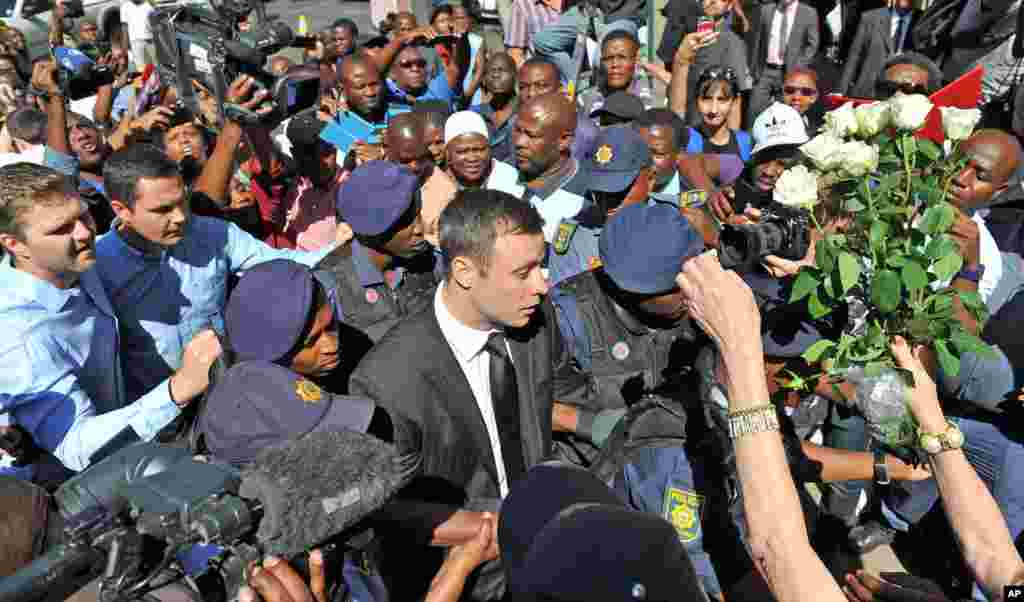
column 60, row 370
column 164, row 300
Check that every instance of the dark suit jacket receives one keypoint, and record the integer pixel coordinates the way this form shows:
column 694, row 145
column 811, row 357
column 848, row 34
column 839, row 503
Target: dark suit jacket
column 871, row 48
column 804, row 38
column 412, row 371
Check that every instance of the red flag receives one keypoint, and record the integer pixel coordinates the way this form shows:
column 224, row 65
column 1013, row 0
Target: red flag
column 962, row 93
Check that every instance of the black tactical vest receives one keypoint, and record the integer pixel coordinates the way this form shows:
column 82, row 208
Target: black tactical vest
column 625, row 356
column 367, row 313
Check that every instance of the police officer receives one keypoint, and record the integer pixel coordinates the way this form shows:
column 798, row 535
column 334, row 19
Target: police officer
column 388, row 271
column 619, row 172
column 625, row 322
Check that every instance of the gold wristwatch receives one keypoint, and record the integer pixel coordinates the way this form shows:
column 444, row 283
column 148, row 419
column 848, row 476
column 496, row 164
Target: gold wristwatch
column 935, row 443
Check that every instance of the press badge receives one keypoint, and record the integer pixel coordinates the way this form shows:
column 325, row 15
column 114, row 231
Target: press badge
column 564, row 236
column 693, row 198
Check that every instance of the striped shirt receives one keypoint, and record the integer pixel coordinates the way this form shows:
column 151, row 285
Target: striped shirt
column 529, row 17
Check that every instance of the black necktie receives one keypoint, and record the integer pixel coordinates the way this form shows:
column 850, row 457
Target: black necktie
column 898, row 37
column 505, row 398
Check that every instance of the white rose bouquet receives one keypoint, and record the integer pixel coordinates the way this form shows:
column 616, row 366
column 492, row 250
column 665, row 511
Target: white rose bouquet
column 890, row 267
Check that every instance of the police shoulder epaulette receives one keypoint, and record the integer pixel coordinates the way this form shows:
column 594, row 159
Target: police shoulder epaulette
column 563, row 238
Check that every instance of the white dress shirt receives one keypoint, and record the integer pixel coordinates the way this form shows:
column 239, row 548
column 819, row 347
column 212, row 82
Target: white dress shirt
column 468, row 344
column 776, row 43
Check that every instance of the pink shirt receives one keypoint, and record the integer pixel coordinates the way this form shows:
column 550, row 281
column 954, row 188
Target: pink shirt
column 778, row 39
column 311, row 220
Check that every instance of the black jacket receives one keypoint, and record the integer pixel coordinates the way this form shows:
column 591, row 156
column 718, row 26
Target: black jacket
column 413, row 372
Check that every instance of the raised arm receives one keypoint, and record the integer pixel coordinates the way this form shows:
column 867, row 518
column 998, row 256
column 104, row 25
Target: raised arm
column 724, row 307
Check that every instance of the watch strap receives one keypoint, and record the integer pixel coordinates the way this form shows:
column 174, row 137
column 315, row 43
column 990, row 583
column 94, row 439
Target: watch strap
column 881, row 469
column 974, row 276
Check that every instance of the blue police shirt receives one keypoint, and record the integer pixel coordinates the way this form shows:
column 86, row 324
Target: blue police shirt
column 437, row 89
column 164, row 300
column 60, row 370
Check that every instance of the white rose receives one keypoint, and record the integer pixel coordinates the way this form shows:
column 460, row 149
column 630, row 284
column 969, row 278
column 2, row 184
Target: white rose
column 841, row 122
column 958, row 124
column 872, row 119
column 858, row 158
column 909, row 111
column 823, row 151
column 797, row 187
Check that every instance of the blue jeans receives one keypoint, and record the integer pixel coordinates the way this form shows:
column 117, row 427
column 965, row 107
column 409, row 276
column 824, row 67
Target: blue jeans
column 999, row 462
column 846, row 431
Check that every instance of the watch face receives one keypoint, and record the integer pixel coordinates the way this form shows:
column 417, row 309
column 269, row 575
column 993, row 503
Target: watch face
column 954, row 438
column 930, row 443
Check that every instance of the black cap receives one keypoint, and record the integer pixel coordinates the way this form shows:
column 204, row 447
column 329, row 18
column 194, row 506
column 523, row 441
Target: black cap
column 565, row 536
column 623, row 105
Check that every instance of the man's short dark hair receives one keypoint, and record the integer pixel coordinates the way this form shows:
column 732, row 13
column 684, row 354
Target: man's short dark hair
column 434, row 112
column 123, row 170
column 471, row 224
column 445, row 9
column 28, row 125
column 666, row 119
column 304, row 129
column 620, row 34
column 541, row 61
column 348, row 24
column 918, row 60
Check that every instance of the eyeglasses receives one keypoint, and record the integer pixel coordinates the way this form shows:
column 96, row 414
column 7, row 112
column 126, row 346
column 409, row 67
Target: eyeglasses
column 793, row 90
column 888, row 88
column 417, row 63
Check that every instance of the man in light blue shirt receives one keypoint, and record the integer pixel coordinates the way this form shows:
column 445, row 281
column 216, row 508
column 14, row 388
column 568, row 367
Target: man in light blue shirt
column 60, row 361
column 166, row 272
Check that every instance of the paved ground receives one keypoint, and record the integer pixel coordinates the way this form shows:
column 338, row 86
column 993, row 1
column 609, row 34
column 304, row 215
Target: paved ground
column 321, row 13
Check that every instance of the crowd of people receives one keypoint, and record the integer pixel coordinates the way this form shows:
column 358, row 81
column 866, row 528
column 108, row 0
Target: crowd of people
column 511, row 274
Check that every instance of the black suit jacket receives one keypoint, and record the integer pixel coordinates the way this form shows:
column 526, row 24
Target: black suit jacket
column 871, row 48
column 413, row 371
column 804, row 38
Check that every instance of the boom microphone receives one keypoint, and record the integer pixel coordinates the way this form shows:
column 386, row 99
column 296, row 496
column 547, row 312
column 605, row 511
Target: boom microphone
column 322, row 484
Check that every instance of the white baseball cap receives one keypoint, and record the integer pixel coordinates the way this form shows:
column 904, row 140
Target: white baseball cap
column 778, row 125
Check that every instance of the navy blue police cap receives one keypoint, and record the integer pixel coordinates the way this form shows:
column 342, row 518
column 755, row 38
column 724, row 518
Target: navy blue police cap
column 565, row 536
column 376, row 196
column 620, row 153
column 259, row 404
column 643, row 247
column 269, row 309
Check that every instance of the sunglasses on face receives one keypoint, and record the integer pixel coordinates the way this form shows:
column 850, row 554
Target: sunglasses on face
column 417, row 63
column 794, row 90
column 889, row 88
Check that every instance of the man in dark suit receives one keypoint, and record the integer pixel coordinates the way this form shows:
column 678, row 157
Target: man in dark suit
column 478, row 372
column 882, row 33
column 787, row 36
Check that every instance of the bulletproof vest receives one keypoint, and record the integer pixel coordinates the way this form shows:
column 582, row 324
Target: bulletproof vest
column 367, row 314
column 623, row 355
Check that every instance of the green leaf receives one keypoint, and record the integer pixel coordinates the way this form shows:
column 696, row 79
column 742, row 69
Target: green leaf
column 972, row 300
column 940, row 246
column 950, row 363
column 815, row 351
column 803, row 285
column 879, row 230
column 929, row 149
column 853, row 204
column 966, row 342
column 914, row 276
column 849, row 271
column 938, row 218
column 816, row 307
column 823, row 256
column 897, row 261
column 886, row 290
column 875, row 369
column 947, row 267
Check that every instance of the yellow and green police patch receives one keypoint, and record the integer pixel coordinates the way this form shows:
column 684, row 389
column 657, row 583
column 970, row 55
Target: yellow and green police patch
column 683, row 509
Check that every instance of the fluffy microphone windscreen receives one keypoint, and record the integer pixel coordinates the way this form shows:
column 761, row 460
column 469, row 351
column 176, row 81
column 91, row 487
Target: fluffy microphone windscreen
column 318, row 486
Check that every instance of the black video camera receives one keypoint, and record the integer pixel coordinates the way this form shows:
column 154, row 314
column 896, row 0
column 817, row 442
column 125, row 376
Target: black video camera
column 782, row 231
column 202, row 42
column 78, row 75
